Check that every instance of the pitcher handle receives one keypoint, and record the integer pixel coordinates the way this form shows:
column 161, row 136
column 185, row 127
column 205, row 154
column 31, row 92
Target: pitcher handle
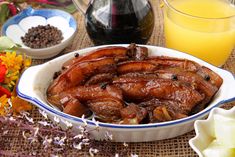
column 81, row 5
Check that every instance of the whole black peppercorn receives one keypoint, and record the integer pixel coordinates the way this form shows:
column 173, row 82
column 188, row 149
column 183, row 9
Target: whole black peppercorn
column 42, row 36
column 174, row 77
column 103, row 85
column 207, row 78
column 76, row 55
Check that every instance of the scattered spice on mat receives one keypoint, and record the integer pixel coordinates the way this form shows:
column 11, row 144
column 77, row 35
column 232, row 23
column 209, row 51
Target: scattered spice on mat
column 45, row 138
column 42, row 36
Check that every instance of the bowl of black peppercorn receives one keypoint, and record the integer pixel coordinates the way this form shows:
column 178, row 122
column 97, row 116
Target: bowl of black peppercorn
column 42, row 33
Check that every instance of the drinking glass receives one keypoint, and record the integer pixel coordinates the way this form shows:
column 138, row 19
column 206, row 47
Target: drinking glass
column 211, row 38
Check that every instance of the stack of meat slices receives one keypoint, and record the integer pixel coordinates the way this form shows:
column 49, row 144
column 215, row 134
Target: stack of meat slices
column 126, row 86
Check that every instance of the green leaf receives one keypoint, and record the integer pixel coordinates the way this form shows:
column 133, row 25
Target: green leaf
column 6, row 43
column 4, row 13
column 8, row 88
column 66, row 5
column 18, row 45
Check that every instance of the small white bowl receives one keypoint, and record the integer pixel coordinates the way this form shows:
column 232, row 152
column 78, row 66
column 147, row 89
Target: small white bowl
column 205, row 130
column 35, row 81
column 17, row 26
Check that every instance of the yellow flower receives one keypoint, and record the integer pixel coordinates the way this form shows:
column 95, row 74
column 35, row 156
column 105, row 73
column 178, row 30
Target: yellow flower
column 11, row 78
column 12, row 61
column 27, row 61
column 3, row 104
column 14, row 64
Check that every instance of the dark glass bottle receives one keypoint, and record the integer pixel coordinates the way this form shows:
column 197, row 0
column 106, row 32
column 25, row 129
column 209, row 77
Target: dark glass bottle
column 119, row 21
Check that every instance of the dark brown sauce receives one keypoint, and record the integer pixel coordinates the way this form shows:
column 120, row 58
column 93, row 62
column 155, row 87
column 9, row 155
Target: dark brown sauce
column 120, row 21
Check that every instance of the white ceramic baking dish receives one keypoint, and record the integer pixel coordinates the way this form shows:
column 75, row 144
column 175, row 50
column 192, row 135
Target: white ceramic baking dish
column 35, row 80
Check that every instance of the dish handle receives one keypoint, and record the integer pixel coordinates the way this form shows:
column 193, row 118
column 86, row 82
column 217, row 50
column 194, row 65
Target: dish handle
column 230, row 87
column 25, row 88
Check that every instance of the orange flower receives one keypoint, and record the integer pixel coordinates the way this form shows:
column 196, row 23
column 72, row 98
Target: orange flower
column 19, row 105
column 3, row 104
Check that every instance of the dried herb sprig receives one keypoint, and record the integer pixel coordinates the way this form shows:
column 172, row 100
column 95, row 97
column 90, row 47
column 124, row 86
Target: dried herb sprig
column 52, row 140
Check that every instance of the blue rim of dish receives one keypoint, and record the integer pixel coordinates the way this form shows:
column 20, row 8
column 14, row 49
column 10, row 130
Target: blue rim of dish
column 46, row 13
column 119, row 126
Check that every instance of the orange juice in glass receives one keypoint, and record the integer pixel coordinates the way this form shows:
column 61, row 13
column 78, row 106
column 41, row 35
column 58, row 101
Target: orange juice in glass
column 203, row 28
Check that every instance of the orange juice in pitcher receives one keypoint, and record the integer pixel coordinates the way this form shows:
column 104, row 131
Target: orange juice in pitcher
column 203, row 28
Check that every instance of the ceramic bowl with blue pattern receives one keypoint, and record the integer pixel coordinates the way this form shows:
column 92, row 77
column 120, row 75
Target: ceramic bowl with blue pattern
column 18, row 25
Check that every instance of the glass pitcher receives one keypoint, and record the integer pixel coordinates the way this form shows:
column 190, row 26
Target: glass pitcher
column 117, row 21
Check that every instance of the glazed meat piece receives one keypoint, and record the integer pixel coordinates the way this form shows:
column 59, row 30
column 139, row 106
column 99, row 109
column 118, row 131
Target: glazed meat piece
column 112, row 51
column 193, row 79
column 187, row 65
column 190, row 78
column 164, row 113
column 106, row 109
column 134, row 78
column 75, row 108
column 167, row 62
column 78, row 74
column 85, row 93
column 137, row 90
column 100, row 79
column 137, row 52
column 119, row 53
column 140, row 75
column 162, row 110
column 133, row 114
column 135, row 66
column 211, row 76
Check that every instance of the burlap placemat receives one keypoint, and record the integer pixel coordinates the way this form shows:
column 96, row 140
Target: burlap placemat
column 176, row 147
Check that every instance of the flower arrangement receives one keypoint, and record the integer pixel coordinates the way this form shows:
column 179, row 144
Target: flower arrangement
column 11, row 66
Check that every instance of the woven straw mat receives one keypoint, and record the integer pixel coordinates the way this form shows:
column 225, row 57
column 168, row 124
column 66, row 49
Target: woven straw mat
column 176, row 147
